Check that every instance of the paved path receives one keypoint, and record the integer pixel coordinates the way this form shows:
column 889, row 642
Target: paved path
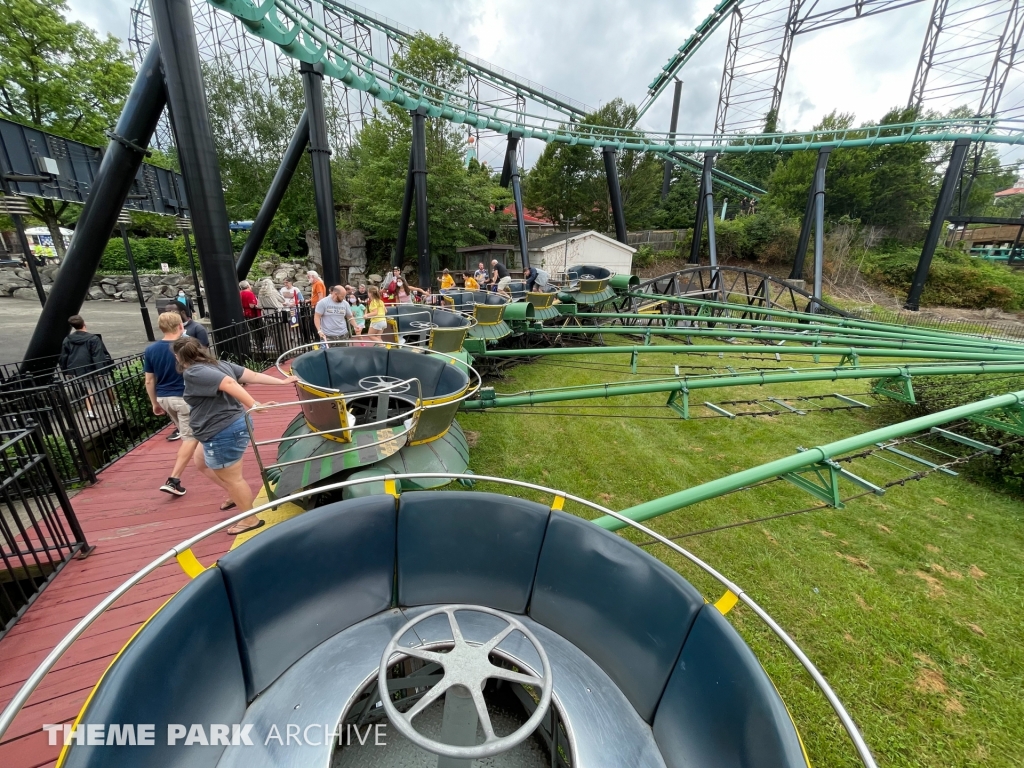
column 118, row 322
column 131, row 523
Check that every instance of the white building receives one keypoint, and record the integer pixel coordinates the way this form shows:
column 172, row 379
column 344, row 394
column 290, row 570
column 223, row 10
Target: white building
column 556, row 253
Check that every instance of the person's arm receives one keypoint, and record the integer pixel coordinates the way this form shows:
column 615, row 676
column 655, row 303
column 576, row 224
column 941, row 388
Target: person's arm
column 151, row 390
column 252, row 377
column 316, row 320
column 350, row 316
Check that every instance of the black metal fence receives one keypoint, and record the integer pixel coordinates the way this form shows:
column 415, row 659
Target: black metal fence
column 258, row 342
column 87, row 421
column 39, row 532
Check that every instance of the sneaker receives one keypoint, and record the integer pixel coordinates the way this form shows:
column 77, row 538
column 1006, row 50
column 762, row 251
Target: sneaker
column 175, row 435
column 173, row 486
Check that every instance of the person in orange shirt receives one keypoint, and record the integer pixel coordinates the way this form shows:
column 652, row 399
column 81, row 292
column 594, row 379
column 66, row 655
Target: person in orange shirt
column 470, row 283
column 316, row 287
column 447, row 281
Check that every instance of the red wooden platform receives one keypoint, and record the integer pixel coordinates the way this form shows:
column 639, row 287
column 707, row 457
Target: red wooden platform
column 131, row 523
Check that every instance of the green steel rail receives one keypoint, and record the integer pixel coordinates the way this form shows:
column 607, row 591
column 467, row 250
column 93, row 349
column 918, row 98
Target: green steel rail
column 904, row 334
column 686, row 51
column 482, row 69
column 771, row 349
column 729, row 333
column 686, row 384
column 290, row 27
column 752, row 309
column 807, row 459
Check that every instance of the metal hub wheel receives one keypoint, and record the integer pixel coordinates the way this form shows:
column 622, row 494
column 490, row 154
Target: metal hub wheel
column 370, row 383
column 468, row 666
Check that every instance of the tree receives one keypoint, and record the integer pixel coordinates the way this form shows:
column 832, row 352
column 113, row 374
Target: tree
column 60, row 76
column 569, row 181
column 465, row 204
column 890, row 185
column 252, row 126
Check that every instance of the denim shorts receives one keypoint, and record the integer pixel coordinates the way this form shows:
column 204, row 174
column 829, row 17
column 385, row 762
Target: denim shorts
column 227, row 447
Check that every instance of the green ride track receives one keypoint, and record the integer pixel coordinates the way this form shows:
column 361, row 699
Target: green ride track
column 292, row 29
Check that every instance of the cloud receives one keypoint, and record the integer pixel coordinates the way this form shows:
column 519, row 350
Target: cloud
column 596, row 51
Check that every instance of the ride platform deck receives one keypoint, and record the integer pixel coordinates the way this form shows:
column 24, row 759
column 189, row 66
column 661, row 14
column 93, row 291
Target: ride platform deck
column 131, row 523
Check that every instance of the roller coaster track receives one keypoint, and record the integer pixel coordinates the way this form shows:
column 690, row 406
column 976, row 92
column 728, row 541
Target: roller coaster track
column 299, row 35
column 735, row 285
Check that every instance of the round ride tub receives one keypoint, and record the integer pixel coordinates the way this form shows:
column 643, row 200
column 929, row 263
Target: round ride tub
column 369, row 616
column 437, row 328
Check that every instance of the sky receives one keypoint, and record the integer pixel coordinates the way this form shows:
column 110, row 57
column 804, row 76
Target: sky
column 595, row 50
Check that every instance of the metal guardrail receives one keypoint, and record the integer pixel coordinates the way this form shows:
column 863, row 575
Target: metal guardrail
column 39, row 532
column 87, row 421
column 183, row 553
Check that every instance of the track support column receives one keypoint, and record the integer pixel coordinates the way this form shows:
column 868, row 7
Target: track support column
column 403, row 222
column 708, row 198
column 510, row 174
column 666, row 179
column 117, row 172
column 949, row 182
column 817, row 188
column 197, row 154
column 419, row 143
column 320, row 155
column 275, row 193
column 146, row 322
column 19, row 227
column 614, row 192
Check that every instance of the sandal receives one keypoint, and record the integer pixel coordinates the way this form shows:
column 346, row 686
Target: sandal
column 246, row 529
column 229, row 504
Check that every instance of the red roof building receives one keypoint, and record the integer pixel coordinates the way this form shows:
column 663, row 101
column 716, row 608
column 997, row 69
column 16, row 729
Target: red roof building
column 530, row 218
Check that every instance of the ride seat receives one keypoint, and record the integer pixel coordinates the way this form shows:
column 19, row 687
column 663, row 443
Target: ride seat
column 626, row 610
column 474, row 548
column 720, row 709
column 183, row 667
column 295, row 585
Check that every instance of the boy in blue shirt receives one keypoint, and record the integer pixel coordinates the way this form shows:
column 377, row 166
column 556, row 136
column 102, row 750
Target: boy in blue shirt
column 166, row 389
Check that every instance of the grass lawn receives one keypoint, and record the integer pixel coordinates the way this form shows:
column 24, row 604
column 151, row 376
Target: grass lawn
column 910, row 604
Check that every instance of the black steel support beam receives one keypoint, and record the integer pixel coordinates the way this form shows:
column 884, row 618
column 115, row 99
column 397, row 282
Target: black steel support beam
column 666, row 179
column 949, row 182
column 611, row 172
column 197, row 155
column 403, row 222
column 195, row 274
column 510, row 175
column 805, row 227
column 709, row 205
column 285, row 171
column 419, row 144
column 698, row 220
column 146, row 321
column 320, row 155
column 99, row 215
column 26, row 247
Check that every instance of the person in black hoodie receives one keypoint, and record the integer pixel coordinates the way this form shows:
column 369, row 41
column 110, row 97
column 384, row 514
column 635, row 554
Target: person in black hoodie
column 81, row 354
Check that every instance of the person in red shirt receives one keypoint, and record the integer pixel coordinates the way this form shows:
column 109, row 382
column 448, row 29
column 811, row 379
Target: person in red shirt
column 250, row 306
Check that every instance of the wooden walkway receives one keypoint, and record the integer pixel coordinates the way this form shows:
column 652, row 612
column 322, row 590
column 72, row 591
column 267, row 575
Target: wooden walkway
column 131, row 523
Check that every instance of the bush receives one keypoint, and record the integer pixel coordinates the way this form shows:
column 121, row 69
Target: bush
column 644, row 257
column 955, row 279
column 766, row 237
column 149, row 254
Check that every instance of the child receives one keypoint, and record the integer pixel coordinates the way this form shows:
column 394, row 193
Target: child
column 359, row 313
column 471, row 283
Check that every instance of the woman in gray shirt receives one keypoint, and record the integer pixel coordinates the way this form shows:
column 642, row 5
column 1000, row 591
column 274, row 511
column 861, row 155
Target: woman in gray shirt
column 214, row 393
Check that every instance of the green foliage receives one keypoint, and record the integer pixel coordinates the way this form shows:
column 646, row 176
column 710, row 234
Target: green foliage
column 955, row 279
column 766, row 237
column 644, row 257
column 149, row 253
column 891, row 186
column 465, row 203
column 57, row 74
column 568, row 182
column 244, row 114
